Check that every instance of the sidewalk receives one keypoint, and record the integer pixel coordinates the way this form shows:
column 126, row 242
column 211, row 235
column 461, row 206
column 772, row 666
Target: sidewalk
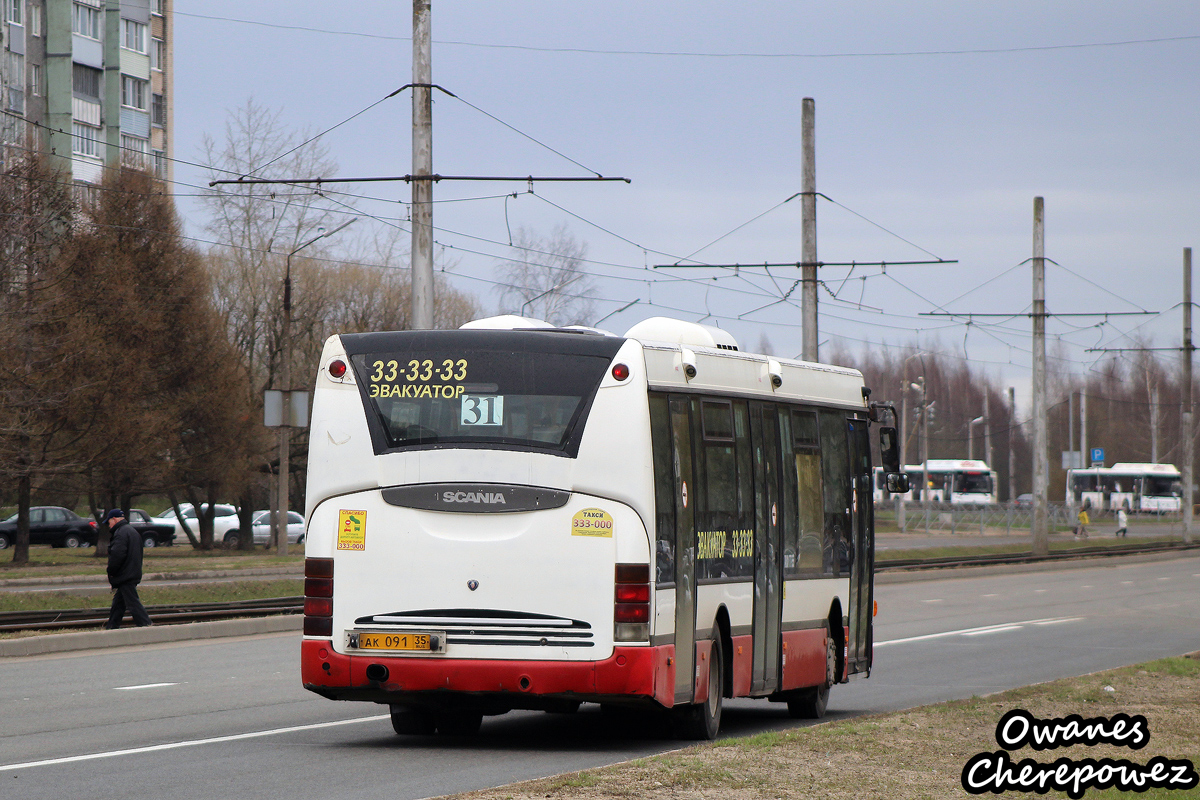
column 124, row 637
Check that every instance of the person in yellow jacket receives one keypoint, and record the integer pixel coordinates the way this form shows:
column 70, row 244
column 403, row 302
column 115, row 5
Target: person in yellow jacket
column 1082, row 519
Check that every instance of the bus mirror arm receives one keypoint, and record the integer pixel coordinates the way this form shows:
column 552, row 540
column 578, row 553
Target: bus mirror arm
column 889, row 455
column 876, row 411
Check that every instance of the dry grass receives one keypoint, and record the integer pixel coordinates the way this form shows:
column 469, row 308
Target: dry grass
column 902, row 756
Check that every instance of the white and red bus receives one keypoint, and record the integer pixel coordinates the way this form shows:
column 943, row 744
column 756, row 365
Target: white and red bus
column 510, row 516
column 1131, row 486
column 948, row 480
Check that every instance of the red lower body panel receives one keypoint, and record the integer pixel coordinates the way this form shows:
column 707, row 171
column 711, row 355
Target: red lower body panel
column 803, row 658
column 630, row 672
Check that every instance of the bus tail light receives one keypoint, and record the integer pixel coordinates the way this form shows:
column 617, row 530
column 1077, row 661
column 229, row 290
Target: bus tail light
column 631, row 615
column 318, row 597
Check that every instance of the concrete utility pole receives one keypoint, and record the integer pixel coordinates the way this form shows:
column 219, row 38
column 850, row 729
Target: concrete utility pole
column 808, row 232
column 1040, row 531
column 1189, row 442
column 1154, row 425
column 1012, row 453
column 1085, row 455
column 987, row 434
column 422, row 168
column 1071, row 428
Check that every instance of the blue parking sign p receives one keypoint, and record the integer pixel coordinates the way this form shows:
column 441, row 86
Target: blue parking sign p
column 1098, row 455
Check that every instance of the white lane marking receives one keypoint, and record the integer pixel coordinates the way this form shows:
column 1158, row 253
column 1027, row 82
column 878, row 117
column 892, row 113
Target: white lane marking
column 994, row 630
column 1127, row 583
column 142, row 686
column 154, row 748
column 983, row 629
column 1165, row 578
column 1086, row 586
column 935, row 600
column 991, row 595
column 1038, row 591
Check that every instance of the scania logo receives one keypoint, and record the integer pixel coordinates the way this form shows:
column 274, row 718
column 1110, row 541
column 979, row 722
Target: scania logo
column 472, row 585
column 487, row 498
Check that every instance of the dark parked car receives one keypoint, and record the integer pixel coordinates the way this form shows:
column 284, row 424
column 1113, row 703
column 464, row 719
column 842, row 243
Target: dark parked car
column 52, row 525
column 154, row 534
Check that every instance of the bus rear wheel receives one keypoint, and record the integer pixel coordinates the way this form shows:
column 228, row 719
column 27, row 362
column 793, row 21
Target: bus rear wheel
column 703, row 720
column 412, row 721
column 458, row 723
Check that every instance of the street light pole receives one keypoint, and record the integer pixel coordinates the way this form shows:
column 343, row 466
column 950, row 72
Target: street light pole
column 285, row 378
column 971, row 437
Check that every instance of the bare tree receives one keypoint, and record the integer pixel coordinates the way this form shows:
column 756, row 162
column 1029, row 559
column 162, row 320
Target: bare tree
column 545, row 278
column 257, row 228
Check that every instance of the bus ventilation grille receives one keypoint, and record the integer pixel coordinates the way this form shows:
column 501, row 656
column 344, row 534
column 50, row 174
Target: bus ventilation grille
column 488, row 626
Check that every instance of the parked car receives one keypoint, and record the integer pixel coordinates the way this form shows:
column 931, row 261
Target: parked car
column 225, row 520
column 1024, row 500
column 52, row 525
column 262, row 527
column 155, row 533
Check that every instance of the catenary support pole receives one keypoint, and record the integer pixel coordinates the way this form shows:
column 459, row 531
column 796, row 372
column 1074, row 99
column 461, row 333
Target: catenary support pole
column 1154, row 425
column 1085, row 454
column 422, row 165
column 808, row 231
column 1012, row 452
column 1041, row 531
column 987, row 435
column 1188, row 432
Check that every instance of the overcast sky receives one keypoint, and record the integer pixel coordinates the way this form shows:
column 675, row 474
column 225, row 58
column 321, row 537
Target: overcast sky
column 937, row 123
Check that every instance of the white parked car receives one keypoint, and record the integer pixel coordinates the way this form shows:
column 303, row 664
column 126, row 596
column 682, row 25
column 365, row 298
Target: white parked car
column 262, row 527
column 225, row 520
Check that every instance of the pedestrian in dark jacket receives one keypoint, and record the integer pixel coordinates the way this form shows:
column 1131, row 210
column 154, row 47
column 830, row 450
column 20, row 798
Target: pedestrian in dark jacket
column 124, row 571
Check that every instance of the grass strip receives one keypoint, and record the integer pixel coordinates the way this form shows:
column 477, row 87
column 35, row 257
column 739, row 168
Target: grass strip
column 56, row 562
column 906, row 755
column 215, row 592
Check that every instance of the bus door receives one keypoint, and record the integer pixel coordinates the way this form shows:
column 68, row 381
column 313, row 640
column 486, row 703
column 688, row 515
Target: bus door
column 768, row 578
column 862, row 567
column 685, row 552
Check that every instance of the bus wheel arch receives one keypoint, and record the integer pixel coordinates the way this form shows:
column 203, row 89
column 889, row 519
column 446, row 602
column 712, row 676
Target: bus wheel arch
column 837, row 632
column 723, row 631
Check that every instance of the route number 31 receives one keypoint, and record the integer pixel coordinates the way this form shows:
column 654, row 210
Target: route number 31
column 482, row 409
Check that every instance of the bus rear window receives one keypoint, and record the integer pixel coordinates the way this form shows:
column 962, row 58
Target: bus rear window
column 506, row 389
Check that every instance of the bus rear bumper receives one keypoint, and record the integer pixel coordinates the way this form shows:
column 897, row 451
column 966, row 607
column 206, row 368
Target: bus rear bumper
column 630, row 674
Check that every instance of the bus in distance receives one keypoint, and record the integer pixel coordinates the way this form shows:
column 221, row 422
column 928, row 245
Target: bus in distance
column 950, row 480
column 515, row 516
column 1131, row 486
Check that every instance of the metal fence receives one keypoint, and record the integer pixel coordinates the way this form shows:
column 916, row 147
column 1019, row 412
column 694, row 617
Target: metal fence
column 1008, row 517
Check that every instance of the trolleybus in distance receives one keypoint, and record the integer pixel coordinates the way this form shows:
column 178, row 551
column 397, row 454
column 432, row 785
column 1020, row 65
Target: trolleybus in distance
column 512, row 516
column 954, row 481
column 1134, row 487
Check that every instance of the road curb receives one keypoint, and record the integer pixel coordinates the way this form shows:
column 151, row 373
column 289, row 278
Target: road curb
column 1084, row 562
column 155, row 634
column 102, row 580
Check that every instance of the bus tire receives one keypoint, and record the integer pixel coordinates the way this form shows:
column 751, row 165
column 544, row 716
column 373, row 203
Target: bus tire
column 412, row 721
column 458, row 723
column 811, row 703
column 703, row 720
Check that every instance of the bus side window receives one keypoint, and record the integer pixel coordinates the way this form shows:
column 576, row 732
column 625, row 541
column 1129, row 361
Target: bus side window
column 717, row 504
column 744, row 566
column 806, row 451
column 664, row 490
column 835, row 468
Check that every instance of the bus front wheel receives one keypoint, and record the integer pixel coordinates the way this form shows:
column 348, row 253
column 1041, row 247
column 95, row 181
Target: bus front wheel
column 703, row 720
column 811, row 703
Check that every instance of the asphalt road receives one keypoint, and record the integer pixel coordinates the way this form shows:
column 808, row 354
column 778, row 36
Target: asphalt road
column 227, row 718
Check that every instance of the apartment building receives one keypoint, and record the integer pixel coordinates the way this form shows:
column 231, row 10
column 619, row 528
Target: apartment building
column 88, row 81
